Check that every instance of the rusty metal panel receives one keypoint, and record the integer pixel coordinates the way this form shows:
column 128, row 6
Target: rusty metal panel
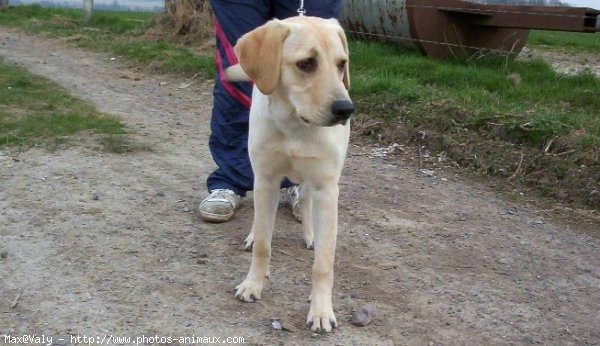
column 372, row 19
column 450, row 28
column 574, row 19
column 442, row 34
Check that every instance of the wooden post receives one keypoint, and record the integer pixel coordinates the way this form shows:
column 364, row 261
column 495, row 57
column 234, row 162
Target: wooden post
column 88, row 6
column 3, row 4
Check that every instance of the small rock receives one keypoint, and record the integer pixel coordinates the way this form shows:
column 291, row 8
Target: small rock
column 427, row 172
column 163, row 83
column 276, row 325
column 3, row 254
column 287, row 326
column 353, row 295
column 201, row 261
column 15, row 302
column 186, row 209
column 95, row 196
column 362, row 317
column 196, row 254
column 185, row 85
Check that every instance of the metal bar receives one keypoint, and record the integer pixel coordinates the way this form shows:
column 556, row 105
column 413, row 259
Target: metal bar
column 574, row 19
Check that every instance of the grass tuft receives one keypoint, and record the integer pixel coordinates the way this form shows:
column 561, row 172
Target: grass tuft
column 35, row 111
column 567, row 41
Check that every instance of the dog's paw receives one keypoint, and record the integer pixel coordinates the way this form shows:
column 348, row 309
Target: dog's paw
column 310, row 244
column 309, row 240
column 321, row 319
column 248, row 291
column 248, row 242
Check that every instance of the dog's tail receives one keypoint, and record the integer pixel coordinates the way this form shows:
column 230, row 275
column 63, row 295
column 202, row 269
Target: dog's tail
column 235, row 73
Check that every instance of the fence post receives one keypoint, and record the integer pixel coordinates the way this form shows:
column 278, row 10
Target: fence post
column 88, row 6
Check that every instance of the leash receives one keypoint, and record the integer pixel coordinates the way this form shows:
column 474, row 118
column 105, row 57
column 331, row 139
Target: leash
column 301, row 11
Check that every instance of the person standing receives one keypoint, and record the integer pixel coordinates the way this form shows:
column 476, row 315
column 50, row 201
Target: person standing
column 228, row 141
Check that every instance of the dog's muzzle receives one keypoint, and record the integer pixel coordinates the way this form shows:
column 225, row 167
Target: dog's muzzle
column 341, row 110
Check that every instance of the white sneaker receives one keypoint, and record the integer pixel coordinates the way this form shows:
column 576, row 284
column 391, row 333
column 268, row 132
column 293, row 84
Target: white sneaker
column 292, row 201
column 219, row 206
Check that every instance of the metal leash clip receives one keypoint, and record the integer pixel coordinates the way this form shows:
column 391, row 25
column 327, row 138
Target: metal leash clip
column 301, row 11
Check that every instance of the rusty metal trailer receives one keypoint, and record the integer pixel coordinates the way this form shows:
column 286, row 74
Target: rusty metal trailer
column 451, row 28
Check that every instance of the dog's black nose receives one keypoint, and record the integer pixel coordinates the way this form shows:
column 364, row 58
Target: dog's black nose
column 342, row 109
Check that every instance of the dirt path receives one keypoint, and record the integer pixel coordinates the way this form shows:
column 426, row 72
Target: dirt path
column 439, row 261
column 565, row 62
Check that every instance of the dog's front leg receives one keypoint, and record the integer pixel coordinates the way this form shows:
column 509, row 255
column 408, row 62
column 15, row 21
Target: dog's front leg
column 266, row 195
column 325, row 204
column 306, row 210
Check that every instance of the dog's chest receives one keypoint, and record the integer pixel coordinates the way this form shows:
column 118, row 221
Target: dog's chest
column 294, row 149
column 307, row 145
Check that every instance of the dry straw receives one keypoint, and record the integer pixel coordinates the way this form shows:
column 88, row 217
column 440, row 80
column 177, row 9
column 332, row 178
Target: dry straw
column 187, row 22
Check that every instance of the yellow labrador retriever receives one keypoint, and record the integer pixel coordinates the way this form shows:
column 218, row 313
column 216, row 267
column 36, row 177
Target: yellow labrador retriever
column 298, row 129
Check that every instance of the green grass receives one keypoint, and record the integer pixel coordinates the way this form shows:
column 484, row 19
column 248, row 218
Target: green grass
column 512, row 94
column 121, row 33
column 567, row 41
column 35, row 111
column 64, row 20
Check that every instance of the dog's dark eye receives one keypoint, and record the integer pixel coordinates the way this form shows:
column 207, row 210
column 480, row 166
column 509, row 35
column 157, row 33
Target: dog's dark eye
column 342, row 65
column 307, row 65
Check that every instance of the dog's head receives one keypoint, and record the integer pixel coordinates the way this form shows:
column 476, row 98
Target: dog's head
column 305, row 61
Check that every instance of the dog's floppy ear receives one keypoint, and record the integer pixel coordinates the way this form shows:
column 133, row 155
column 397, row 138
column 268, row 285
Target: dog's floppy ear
column 346, row 78
column 259, row 54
